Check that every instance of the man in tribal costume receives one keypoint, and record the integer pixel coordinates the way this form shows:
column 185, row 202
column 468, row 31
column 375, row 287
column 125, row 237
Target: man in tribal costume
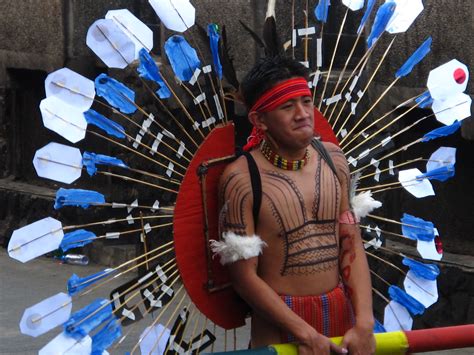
column 291, row 243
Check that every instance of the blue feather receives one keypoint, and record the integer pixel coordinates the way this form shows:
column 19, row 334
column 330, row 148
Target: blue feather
column 414, row 59
column 115, row 93
column 106, row 336
column 368, row 11
column 76, row 283
column 441, row 174
column 183, row 58
column 148, row 69
column 77, row 197
column 76, row 239
column 321, row 10
column 442, row 131
column 111, row 127
column 79, row 331
column 383, row 16
column 411, row 304
column 214, row 43
column 425, row 271
column 421, row 230
column 90, row 160
column 424, row 100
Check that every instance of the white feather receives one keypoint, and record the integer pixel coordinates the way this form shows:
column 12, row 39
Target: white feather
column 235, row 247
column 363, row 203
column 270, row 9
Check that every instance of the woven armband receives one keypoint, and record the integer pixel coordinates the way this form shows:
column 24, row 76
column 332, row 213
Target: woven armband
column 235, row 247
column 348, row 218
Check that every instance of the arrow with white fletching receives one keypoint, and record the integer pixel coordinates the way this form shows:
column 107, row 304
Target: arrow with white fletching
column 35, row 239
column 447, row 84
column 110, row 44
column 404, row 15
column 39, row 319
column 58, row 162
column 66, row 345
column 136, row 30
column 443, row 156
column 414, row 185
column 176, row 15
column 70, row 87
column 66, row 120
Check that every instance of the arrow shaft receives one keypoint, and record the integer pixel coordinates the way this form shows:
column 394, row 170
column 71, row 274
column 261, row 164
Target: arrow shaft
column 112, row 44
column 107, row 222
column 359, row 121
column 34, row 240
column 121, row 294
column 74, row 91
column 136, row 152
column 394, row 167
column 377, row 68
column 110, row 271
column 380, row 130
column 168, row 112
column 333, row 57
column 114, row 205
column 405, row 147
column 343, row 71
column 117, row 19
column 359, row 67
column 358, row 134
column 397, row 222
column 147, row 311
column 126, row 178
column 158, row 318
column 181, row 105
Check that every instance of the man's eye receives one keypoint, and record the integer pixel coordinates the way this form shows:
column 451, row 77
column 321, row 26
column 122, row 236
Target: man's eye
column 286, row 107
column 308, row 101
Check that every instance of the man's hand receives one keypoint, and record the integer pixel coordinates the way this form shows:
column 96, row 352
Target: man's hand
column 315, row 343
column 359, row 341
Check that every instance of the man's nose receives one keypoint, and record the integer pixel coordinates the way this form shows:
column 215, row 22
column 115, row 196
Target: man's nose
column 301, row 110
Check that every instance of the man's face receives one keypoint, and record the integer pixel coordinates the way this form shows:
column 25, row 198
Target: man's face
column 291, row 124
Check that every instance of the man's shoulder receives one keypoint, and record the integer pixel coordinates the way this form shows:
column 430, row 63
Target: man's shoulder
column 238, row 167
column 331, row 147
column 334, row 151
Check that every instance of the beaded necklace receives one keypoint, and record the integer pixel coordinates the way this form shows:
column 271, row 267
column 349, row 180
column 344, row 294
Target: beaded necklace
column 280, row 162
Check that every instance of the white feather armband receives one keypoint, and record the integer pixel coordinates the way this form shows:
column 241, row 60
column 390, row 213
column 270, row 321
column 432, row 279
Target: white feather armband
column 235, row 247
column 363, row 203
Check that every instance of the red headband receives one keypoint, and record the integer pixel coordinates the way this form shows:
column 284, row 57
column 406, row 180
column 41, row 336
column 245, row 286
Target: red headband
column 281, row 93
column 273, row 98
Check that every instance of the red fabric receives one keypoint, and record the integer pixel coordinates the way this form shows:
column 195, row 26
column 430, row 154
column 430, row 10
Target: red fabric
column 223, row 307
column 330, row 314
column 281, row 93
column 323, row 129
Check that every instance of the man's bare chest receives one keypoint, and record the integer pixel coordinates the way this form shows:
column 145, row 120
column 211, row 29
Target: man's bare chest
column 314, row 195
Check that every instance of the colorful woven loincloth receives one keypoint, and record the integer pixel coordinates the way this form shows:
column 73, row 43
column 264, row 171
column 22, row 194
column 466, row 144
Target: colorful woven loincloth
column 330, row 314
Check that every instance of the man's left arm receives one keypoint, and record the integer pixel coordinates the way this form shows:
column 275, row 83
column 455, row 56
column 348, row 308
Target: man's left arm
column 354, row 267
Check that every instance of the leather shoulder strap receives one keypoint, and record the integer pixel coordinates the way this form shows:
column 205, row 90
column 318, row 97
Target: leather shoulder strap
column 319, row 146
column 256, row 182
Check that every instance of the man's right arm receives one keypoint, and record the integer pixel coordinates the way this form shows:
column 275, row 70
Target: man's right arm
column 236, row 218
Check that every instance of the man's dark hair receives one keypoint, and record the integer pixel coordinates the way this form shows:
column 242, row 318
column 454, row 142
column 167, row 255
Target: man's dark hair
column 266, row 73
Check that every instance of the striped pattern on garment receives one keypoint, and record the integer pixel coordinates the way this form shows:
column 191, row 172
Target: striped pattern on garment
column 281, row 93
column 330, row 314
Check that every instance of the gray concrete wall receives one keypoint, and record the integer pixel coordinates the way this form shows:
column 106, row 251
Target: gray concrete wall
column 31, row 35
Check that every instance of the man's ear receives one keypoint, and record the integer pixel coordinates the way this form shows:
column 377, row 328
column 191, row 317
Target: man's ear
column 257, row 120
